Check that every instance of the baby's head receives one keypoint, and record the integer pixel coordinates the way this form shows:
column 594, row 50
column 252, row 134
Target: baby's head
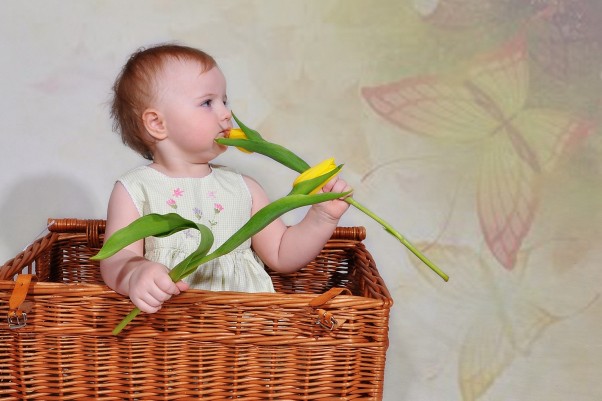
column 136, row 88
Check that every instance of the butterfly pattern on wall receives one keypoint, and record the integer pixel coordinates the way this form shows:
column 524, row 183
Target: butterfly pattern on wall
column 498, row 315
column 487, row 108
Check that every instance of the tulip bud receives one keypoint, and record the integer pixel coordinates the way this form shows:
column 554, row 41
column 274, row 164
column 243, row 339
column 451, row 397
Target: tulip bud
column 237, row 133
column 318, row 170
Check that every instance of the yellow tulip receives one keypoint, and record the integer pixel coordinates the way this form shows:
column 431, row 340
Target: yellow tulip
column 237, row 133
column 319, row 169
column 291, row 160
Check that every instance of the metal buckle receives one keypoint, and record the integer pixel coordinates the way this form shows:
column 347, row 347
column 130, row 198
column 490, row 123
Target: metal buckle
column 326, row 320
column 15, row 321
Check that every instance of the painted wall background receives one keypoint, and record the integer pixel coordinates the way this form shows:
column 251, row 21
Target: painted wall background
column 473, row 125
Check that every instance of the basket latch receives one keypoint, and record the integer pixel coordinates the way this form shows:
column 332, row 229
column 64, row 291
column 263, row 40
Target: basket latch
column 17, row 308
column 325, row 318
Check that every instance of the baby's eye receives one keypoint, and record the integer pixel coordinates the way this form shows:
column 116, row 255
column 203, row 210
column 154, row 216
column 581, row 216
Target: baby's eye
column 206, row 103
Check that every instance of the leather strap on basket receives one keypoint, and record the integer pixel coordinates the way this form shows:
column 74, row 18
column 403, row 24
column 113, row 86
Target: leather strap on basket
column 325, row 318
column 17, row 308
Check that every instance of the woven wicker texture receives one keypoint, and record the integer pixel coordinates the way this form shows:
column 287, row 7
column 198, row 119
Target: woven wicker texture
column 201, row 344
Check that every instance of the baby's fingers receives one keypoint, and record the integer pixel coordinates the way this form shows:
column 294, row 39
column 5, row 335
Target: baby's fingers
column 152, row 301
column 182, row 285
column 165, row 284
column 146, row 307
column 336, row 185
column 147, row 302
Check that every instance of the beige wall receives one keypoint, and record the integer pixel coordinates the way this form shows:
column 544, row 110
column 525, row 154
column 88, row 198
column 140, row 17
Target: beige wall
column 473, row 126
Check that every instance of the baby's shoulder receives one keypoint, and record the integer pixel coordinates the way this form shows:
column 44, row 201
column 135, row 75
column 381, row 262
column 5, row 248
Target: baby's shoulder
column 142, row 176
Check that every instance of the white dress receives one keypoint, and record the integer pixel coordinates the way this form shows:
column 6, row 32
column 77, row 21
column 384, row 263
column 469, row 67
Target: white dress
column 222, row 202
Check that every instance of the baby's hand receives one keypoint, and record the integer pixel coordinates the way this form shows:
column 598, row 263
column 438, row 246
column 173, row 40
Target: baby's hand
column 337, row 207
column 150, row 286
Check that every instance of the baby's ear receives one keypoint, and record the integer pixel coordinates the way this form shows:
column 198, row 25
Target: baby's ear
column 154, row 123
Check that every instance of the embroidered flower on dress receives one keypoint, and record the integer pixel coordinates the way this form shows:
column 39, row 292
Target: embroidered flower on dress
column 172, row 203
column 178, row 192
column 198, row 213
column 217, row 208
column 211, row 194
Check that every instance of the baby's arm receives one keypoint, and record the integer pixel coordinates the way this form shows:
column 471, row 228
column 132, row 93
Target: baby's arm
column 127, row 272
column 287, row 249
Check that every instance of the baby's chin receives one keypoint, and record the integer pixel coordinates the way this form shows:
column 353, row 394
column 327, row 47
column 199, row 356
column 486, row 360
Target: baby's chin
column 221, row 148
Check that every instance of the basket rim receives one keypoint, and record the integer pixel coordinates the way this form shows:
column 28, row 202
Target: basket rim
column 92, row 229
column 64, row 228
column 42, row 288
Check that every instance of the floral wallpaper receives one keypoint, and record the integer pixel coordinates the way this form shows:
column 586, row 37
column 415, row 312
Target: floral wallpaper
column 472, row 125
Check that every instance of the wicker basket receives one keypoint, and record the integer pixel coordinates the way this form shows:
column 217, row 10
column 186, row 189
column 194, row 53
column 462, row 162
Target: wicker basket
column 201, row 344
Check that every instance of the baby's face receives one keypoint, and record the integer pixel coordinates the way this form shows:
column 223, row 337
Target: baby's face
column 193, row 105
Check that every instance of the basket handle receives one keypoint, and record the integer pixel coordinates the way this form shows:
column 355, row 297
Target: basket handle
column 357, row 233
column 17, row 308
column 325, row 318
column 94, row 229
column 25, row 258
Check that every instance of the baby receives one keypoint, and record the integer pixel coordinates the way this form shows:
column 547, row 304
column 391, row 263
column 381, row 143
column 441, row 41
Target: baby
column 169, row 105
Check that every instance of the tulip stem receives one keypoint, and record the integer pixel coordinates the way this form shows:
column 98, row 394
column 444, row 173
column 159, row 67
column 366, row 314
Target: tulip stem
column 135, row 312
column 397, row 235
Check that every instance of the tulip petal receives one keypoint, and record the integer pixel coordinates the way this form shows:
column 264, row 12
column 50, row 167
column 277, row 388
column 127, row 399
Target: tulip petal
column 313, row 185
column 237, row 133
column 315, row 171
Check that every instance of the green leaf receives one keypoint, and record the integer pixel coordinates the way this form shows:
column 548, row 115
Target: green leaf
column 250, row 133
column 269, row 149
column 265, row 216
column 151, row 225
column 186, row 267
